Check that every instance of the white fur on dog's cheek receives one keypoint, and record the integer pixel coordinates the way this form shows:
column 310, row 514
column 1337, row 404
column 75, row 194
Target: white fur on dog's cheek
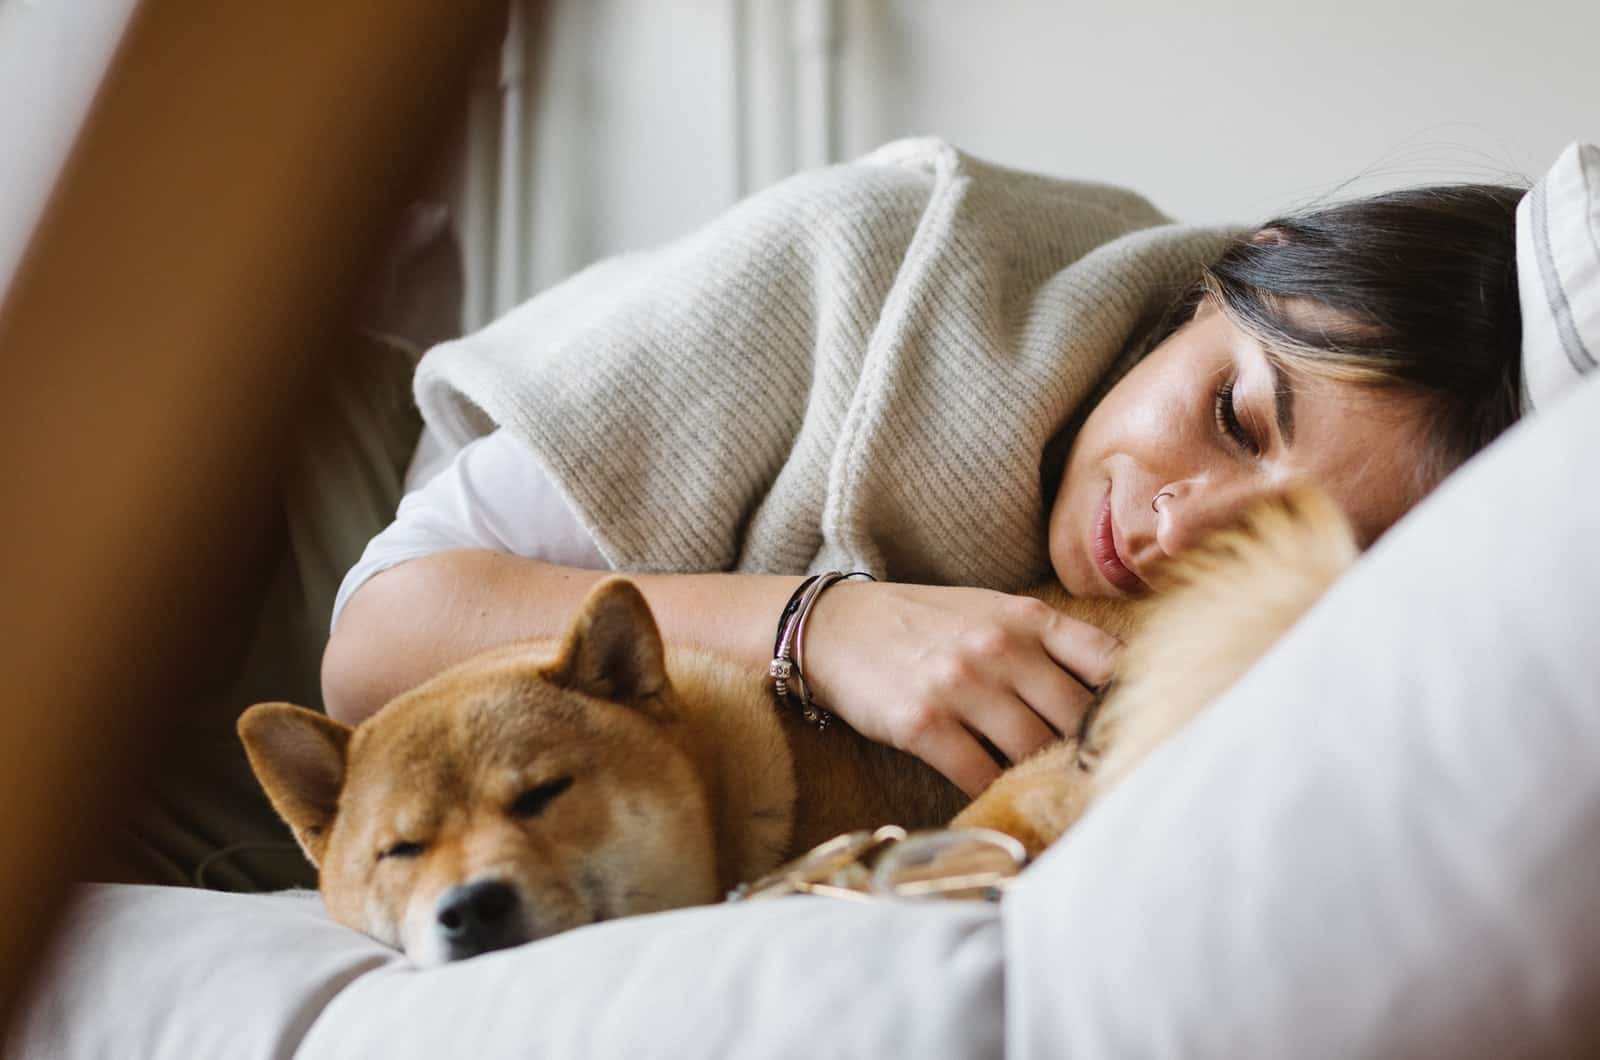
column 379, row 924
column 419, row 933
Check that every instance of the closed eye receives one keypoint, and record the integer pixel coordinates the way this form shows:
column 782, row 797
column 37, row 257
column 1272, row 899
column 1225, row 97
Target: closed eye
column 532, row 803
column 403, row 849
column 1226, row 413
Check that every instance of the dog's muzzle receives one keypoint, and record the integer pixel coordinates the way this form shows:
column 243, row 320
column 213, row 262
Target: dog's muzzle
column 477, row 917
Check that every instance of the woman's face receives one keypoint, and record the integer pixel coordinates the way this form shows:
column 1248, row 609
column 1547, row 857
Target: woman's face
column 1207, row 421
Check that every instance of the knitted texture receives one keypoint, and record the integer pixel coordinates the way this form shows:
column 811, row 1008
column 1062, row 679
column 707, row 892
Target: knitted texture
column 858, row 368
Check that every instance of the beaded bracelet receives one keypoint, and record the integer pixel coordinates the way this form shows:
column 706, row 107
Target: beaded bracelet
column 782, row 666
column 788, row 648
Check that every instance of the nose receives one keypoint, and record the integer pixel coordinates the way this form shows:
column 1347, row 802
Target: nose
column 1192, row 510
column 477, row 917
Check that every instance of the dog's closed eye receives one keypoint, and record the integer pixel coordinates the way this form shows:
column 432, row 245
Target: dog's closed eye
column 402, row 849
column 532, row 803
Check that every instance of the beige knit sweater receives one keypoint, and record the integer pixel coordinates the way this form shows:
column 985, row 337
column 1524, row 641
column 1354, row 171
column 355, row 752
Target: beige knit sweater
column 858, row 369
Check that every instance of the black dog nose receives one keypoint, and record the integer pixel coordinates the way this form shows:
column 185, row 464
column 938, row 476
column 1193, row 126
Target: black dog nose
column 478, row 917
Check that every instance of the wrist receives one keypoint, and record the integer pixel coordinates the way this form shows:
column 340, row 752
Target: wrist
column 829, row 633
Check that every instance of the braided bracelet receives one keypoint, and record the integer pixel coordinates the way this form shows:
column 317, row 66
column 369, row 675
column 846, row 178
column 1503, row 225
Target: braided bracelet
column 788, row 648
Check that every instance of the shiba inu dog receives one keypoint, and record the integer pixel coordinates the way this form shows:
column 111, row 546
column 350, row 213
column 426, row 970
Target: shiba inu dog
column 542, row 786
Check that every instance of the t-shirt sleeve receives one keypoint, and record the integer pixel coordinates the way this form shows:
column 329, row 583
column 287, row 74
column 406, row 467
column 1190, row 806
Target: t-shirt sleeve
column 493, row 495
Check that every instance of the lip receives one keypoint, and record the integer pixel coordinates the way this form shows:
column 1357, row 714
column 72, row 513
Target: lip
column 1107, row 558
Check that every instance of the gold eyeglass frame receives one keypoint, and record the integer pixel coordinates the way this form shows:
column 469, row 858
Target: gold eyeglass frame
column 890, row 863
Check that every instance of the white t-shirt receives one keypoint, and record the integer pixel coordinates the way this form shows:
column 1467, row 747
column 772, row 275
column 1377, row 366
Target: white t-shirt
column 491, row 495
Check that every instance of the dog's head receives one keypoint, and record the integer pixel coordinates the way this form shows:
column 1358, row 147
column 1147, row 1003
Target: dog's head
column 521, row 793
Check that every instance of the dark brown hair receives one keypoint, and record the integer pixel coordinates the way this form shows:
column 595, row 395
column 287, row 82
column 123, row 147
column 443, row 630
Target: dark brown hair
column 1412, row 290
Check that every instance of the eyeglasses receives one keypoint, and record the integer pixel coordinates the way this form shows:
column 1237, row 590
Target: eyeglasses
column 962, row 863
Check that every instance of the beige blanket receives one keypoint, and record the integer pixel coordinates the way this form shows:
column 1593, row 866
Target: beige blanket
column 857, row 368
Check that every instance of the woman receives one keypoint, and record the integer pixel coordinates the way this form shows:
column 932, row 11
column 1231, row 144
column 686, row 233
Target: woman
column 1368, row 347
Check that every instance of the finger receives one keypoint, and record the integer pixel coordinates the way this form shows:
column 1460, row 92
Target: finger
column 1008, row 723
column 956, row 753
column 1087, row 652
column 1055, row 695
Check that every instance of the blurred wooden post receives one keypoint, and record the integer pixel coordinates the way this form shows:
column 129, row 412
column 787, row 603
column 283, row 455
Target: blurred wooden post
column 235, row 174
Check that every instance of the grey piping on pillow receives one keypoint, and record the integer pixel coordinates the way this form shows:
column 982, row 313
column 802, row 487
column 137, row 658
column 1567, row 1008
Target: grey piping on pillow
column 1560, row 311
column 1591, row 187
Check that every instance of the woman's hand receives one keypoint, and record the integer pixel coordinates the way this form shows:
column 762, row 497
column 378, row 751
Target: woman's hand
column 930, row 669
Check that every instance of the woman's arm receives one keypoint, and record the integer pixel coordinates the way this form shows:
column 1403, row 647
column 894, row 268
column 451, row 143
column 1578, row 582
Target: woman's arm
column 413, row 620
column 926, row 669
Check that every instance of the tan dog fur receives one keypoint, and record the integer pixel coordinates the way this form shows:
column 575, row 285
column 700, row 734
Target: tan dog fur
column 1217, row 610
column 682, row 778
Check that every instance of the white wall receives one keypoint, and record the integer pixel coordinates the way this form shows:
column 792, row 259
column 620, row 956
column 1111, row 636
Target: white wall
column 1215, row 113
column 1233, row 111
column 643, row 118
column 638, row 97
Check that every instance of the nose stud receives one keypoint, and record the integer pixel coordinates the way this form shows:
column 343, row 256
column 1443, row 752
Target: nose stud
column 1155, row 502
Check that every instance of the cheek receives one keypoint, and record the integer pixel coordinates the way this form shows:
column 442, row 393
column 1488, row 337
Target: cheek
column 1061, row 539
column 1146, row 426
column 417, row 931
column 399, row 895
column 1145, row 415
column 353, row 895
column 1159, row 416
column 661, row 856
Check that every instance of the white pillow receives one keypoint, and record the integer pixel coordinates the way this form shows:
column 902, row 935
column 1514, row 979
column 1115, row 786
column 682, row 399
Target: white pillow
column 1385, row 841
column 146, row 971
column 1558, row 272
column 167, row 972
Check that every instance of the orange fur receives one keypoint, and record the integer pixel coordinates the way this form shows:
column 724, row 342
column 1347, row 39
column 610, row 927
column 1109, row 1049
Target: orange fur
column 1219, row 607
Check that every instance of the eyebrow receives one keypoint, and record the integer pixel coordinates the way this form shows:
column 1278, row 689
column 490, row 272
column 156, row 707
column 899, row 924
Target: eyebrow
column 1282, row 400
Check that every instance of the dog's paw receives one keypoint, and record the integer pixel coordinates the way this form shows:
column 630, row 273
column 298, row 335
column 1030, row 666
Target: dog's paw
column 1034, row 801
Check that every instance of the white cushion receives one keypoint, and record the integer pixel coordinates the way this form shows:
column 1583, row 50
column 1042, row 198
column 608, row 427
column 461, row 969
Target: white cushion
column 1558, row 273
column 793, row 978
column 1385, row 841
column 176, row 973
column 148, row 971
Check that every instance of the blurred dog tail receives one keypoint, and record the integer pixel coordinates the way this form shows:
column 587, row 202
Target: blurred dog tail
column 1219, row 607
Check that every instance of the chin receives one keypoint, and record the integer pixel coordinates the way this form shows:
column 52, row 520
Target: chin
column 1069, row 565
column 1074, row 581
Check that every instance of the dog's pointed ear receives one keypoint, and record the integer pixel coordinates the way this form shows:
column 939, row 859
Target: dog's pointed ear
column 613, row 649
column 298, row 756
